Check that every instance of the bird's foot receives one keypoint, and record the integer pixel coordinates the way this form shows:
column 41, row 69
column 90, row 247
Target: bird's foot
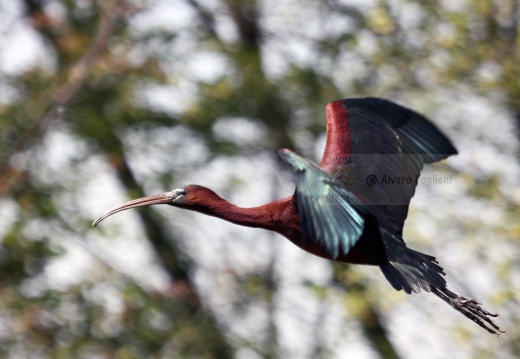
column 471, row 309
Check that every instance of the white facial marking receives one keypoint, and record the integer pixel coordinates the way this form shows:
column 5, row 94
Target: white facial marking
column 177, row 195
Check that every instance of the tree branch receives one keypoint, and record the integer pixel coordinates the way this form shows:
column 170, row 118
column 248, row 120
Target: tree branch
column 77, row 78
column 178, row 266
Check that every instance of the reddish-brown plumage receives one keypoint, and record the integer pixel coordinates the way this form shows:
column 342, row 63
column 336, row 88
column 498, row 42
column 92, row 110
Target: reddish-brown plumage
column 339, row 139
column 279, row 216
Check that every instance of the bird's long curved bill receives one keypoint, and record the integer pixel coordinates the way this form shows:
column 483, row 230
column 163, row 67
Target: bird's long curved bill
column 163, row 198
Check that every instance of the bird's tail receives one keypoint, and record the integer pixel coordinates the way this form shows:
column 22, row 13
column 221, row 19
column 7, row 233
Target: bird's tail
column 412, row 271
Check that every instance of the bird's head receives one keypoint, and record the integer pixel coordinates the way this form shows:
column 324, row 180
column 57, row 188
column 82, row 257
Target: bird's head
column 189, row 197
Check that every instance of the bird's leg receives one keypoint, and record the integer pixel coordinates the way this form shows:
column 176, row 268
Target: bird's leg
column 470, row 308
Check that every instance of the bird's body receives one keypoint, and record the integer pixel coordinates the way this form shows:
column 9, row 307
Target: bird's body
column 280, row 216
column 352, row 207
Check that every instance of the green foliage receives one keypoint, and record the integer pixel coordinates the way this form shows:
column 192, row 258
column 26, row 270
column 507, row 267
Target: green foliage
column 134, row 100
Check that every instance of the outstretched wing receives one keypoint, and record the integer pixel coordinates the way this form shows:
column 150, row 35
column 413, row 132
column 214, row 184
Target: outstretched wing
column 377, row 149
column 328, row 212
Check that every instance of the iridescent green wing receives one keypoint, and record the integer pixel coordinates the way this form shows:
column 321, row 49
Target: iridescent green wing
column 330, row 215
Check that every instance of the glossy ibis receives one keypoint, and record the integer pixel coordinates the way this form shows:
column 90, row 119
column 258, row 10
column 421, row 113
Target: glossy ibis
column 352, row 207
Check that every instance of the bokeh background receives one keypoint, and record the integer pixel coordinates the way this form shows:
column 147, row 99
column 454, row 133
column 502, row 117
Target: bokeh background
column 106, row 101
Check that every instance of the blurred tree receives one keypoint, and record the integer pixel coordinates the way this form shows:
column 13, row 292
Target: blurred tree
column 150, row 92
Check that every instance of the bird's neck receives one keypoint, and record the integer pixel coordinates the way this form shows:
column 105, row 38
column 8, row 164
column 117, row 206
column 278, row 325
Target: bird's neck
column 269, row 216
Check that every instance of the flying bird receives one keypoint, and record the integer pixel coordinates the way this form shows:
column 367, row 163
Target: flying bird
column 352, row 207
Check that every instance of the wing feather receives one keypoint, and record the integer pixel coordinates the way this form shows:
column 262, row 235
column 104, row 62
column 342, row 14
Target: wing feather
column 385, row 142
column 329, row 213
